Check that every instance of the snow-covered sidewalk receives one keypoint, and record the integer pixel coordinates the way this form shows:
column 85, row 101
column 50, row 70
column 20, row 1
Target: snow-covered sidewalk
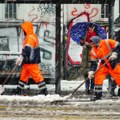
column 66, row 85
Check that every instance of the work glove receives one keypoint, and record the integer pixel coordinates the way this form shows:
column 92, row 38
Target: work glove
column 113, row 56
column 91, row 74
column 19, row 60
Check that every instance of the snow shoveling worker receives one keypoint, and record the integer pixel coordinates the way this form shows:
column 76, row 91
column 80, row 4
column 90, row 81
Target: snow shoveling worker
column 104, row 51
column 30, row 58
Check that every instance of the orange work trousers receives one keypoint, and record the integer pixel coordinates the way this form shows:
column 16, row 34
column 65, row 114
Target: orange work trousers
column 31, row 70
column 104, row 71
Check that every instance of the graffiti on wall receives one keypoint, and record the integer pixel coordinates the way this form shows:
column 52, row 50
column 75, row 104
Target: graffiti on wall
column 9, row 51
column 46, row 9
column 93, row 10
column 37, row 12
column 12, row 34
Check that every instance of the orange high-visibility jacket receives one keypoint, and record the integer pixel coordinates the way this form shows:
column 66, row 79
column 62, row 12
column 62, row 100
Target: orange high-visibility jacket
column 31, row 49
column 102, row 53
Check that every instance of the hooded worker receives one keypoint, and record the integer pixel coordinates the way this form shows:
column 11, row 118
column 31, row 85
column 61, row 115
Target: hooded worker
column 31, row 58
column 105, row 51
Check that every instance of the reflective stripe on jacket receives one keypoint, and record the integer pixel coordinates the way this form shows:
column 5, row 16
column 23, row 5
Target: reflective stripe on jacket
column 104, row 50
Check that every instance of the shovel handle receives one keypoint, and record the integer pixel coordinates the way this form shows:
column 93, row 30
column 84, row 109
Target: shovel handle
column 9, row 75
column 87, row 78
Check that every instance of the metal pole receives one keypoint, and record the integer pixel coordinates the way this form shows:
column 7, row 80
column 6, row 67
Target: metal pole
column 111, row 35
column 58, row 49
column 111, row 21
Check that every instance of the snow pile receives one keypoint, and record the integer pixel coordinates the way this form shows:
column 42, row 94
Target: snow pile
column 36, row 99
column 41, row 99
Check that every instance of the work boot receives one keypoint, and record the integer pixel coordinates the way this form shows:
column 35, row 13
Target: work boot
column 43, row 92
column 91, row 91
column 98, row 96
column 112, row 92
column 17, row 91
column 87, row 92
column 119, row 92
column 95, row 98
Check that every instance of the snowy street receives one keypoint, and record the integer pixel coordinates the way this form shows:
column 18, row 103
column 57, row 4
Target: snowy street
column 93, row 111
column 44, row 108
column 100, row 110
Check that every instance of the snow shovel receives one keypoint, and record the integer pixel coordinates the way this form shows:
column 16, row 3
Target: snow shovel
column 70, row 95
column 2, row 88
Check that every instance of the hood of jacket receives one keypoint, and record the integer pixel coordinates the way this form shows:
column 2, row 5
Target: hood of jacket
column 27, row 27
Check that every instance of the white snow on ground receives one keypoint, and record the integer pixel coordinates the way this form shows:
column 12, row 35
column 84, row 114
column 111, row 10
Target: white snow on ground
column 37, row 98
column 65, row 86
column 71, row 85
